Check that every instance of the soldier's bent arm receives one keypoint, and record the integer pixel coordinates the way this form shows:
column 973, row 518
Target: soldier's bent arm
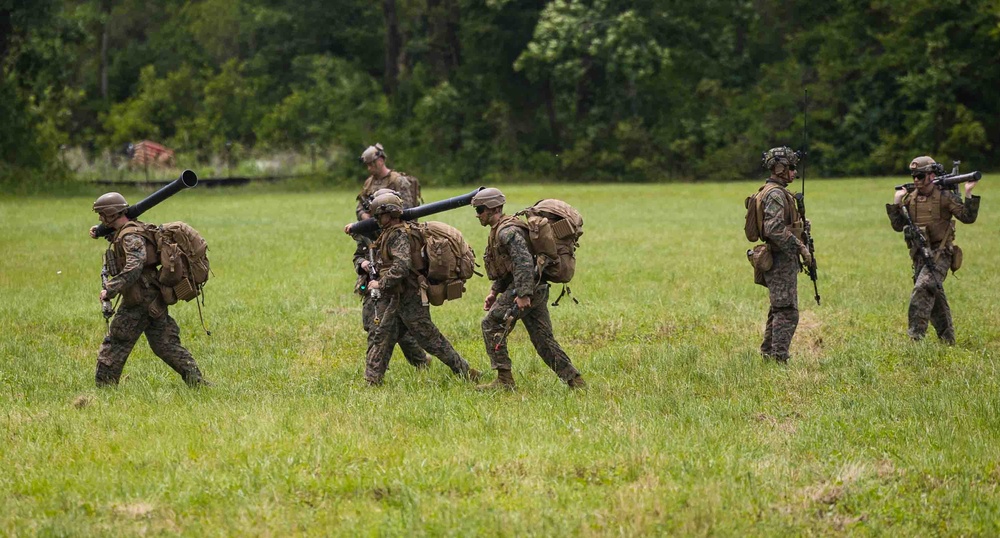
column 512, row 238
column 775, row 230
column 966, row 212
column 360, row 255
column 398, row 246
column 135, row 257
column 896, row 218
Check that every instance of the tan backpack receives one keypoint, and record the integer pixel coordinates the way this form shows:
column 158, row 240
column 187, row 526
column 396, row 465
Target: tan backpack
column 442, row 259
column 754, row 226
column 554, row 229
column 184, row 265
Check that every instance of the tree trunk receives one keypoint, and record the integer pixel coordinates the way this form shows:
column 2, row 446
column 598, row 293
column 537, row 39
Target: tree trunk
column 106, row 12
column 393, row 46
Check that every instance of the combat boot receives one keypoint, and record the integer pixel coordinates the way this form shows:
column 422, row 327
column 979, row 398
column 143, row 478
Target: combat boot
column 504, row 380
column 577, row 383
column 475, row 375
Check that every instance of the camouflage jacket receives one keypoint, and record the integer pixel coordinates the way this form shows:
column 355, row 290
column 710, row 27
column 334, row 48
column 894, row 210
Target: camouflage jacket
column 133, row 253
column 394, row 267
column 393, row 180
column 934, row 213
column 508, row 257
column 783, row 225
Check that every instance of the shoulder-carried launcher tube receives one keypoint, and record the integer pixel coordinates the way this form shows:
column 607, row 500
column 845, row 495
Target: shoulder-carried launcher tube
column 947, row 181
column 187, row 180
column 369, row 225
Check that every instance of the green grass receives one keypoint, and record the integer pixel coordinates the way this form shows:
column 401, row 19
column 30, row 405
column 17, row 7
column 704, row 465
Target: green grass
column 684, row 430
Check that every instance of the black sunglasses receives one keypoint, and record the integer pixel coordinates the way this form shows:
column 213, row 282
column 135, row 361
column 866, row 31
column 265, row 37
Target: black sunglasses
column 921, row 176
column 791, row 167
column 480, row 209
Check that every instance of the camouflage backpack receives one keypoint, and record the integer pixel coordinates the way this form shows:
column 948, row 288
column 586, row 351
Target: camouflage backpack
column 554, row 229
column 184, row 265
column 442, row 258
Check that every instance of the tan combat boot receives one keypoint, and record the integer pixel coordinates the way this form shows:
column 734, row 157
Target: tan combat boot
column 504, row 380
column 577, row 383
column 474, row 375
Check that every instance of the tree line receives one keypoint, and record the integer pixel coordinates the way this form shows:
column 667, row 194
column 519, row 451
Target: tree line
column 459, row 90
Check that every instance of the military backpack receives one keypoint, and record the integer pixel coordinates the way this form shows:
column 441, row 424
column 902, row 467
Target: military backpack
column 554, row 229
column 442, row 259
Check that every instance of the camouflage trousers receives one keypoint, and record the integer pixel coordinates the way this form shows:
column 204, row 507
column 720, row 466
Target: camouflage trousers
column 539, row 326
column 783, row 315
column 928, row 301
column 164, row 339
column 412, row 351
column 403, row 314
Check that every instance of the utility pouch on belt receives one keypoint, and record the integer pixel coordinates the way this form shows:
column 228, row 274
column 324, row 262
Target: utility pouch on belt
column 761, row 259
column 956, row 258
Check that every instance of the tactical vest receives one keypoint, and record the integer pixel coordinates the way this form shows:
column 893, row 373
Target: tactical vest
column 132, row 295
column 498, row 262
column 395, row 181
column 791, row 218
column 929, row 215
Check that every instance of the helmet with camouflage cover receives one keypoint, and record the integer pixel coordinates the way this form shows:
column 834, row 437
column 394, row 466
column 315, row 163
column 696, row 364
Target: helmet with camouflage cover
column 490, row 198
column 372, row 153
column 926, row 165
column 388, row 203
column 780, row 155
column 110, row 204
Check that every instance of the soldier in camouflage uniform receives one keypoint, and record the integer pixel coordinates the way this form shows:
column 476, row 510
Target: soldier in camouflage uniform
column 412, row 351
column 399, row 305
column 383, row 178
column 142, row 309
column 510, row 264
column 931, row 210
column 781, row 229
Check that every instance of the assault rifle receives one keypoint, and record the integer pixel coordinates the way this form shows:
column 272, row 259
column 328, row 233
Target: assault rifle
column 370, row 225
column 187, row 180
column 916, row 237
column 509, row 318
column 947, row 181
column 800, row 201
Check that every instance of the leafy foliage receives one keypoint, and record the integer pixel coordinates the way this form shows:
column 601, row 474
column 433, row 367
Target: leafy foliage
column 459, row 90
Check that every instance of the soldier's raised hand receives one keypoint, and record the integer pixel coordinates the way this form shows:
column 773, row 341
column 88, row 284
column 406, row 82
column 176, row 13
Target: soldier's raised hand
column 969, row 185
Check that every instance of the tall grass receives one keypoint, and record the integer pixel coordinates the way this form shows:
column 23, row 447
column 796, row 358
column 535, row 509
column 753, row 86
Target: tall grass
column 684, row 430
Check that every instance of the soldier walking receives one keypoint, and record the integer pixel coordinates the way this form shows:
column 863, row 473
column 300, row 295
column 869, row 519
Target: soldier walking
column 930, row 211
column 132, row 262
column 399, row 307
column 510, row 264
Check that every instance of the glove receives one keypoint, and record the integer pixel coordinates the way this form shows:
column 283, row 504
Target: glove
column 807, row 258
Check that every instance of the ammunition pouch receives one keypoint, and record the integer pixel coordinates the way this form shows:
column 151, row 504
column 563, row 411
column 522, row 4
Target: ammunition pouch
column 956, row 258
column 762, row 260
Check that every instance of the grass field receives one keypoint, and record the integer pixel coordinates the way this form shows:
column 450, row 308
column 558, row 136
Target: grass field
column 684, row 429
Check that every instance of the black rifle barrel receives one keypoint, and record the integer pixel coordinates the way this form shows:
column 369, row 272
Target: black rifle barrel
column 947, row 181
column 187, row 180
column 370, row 225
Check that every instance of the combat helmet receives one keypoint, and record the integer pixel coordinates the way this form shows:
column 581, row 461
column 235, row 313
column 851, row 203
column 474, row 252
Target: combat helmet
column 925, row 164
column 110, row 204
column 779, row 155
column 490, row 198
column 372, row 153
column 389, row 203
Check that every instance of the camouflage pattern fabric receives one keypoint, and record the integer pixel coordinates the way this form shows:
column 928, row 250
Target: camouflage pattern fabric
column 403, row 312
column 412, row 351
column 393, row 180
column 149, row 316
column 928, row 303
column 509, row 243
column 537, row 322
column 782, row 279
column 512, row 241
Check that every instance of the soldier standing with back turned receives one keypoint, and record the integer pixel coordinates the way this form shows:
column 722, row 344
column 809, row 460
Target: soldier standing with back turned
column 781, row 229
column 931, row 210
column 132, row 254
